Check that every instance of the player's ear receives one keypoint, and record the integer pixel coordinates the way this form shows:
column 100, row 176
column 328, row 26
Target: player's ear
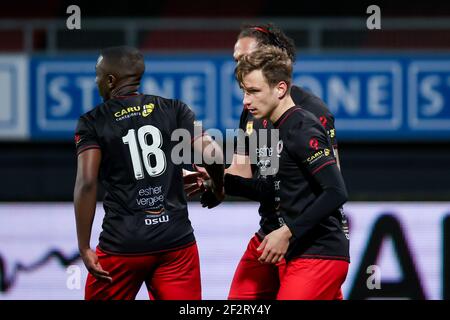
column 282, row 88
column 111, row 81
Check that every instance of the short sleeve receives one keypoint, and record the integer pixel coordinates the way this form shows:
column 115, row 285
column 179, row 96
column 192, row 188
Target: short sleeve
column 309, row 145
column 85, row 136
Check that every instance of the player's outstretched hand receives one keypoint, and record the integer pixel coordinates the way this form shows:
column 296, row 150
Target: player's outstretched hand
column 194, row 181
column 92, row 264
column 210, row 199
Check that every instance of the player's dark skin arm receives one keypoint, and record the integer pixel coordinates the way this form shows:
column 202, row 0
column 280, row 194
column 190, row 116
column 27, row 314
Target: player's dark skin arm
column 333, row 196
column 194, row 180
column 85, row 199
column 213, row 159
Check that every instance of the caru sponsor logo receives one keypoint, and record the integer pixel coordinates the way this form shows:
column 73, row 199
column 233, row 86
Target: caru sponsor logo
column 133, row 111
column 316, row 156
column 127, row 111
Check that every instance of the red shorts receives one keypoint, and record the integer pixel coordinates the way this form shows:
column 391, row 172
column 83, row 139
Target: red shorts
column 254, row 280
column 172, row 275
column 298, row 279
column 313, row 279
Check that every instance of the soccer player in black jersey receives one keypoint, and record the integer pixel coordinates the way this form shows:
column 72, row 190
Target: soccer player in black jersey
column 126, row 143
column 309, row 188
column 250, row 39
column 247, row 282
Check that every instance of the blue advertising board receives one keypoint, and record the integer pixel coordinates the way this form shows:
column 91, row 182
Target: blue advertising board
column 381, row 98
column 13, row 97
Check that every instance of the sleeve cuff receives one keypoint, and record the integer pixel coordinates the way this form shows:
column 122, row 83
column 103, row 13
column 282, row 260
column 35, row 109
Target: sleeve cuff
column 84, row 148
column 295, row 233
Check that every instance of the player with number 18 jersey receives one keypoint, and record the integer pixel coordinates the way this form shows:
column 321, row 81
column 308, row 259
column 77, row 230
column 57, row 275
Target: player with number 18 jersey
column 145, row 204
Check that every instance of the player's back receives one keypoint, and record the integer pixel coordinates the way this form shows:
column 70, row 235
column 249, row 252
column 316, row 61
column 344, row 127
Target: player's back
column 145, row 204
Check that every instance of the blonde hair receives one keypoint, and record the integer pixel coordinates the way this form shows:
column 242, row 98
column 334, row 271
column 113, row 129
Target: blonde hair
column 273, row 62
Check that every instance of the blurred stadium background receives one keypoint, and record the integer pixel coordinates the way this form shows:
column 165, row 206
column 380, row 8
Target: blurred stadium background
column 389, row 90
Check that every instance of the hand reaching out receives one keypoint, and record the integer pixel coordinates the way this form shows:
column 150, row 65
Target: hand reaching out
column 195, row 181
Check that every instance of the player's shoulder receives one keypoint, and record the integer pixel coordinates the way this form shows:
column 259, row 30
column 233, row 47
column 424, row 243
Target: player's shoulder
column 93, row 114
column 160, row 99
column 299, row 120
column 310, row 102
column 300, row 128
column 298, row 115
column 170, row 104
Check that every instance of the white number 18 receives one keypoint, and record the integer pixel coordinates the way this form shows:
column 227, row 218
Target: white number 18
column 147, row 151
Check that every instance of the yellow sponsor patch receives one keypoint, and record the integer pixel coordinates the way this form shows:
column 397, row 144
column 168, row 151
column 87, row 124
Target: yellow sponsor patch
column 147, row 109
column 249, row 128
column 332, row 133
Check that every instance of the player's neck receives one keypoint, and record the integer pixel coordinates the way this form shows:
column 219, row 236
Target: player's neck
column 285, row 104
column 125, row 90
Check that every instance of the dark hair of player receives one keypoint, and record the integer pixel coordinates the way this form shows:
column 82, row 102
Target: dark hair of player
column 268, row 34
column 125, row 61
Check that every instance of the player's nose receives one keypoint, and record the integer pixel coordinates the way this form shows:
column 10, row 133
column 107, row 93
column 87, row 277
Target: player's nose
column 246, row 100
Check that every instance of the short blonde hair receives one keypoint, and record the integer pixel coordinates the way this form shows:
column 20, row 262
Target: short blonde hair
column 274, row 63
